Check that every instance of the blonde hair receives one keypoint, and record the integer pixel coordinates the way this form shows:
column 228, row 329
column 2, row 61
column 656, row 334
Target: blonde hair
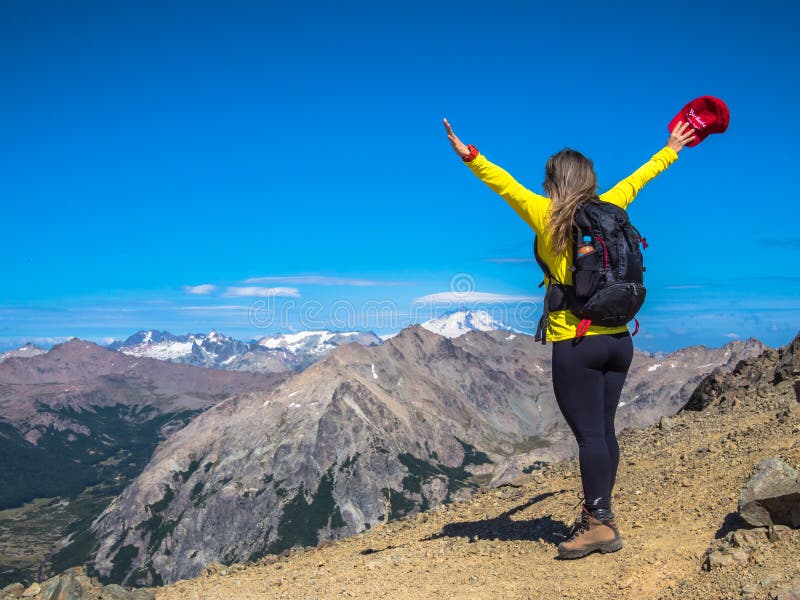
column 569, row 180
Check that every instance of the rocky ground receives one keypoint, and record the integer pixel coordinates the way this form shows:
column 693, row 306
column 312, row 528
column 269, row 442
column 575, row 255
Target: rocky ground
column 676, row 501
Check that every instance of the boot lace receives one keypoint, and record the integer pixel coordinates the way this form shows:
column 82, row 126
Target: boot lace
column 581, row 524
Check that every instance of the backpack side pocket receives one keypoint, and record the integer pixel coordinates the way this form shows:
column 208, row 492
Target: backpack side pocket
column 586, row 275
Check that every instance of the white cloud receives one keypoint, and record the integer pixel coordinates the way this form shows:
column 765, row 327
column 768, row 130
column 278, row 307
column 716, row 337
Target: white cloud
column 261, row 292
column 201, row 290
column 323, row 280
column 733, row 336
column 13, row 342
column 470, row 297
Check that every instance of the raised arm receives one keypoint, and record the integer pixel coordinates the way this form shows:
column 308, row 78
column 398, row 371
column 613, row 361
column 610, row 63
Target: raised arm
column 528, row 205
column 625, row 191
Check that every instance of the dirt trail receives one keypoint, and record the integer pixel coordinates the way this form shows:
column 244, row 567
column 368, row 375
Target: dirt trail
column 677, row 489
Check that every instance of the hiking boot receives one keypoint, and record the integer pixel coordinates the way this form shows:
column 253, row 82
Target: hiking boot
column 593, row 531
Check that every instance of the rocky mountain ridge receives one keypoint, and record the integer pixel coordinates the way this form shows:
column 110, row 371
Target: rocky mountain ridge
column 76, row 375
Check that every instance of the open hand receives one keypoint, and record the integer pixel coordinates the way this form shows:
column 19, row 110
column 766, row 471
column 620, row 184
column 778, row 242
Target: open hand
column 458, row 146
column 681, row 135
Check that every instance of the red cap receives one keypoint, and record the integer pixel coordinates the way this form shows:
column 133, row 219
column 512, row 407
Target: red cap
column 706, row 115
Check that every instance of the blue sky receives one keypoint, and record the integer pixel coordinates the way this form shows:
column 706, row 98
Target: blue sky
column 289, row 159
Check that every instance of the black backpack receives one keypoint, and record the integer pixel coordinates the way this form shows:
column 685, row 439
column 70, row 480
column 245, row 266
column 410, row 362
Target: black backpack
column 607, row 271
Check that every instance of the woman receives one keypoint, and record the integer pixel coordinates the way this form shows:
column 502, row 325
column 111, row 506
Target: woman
column 588, row 372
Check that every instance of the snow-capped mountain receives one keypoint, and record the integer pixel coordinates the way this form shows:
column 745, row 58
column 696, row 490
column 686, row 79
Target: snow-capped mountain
column 25, row 351
column 211, row 348
column 275, row 354
column 317, row 342
column 157, row 344
column 459, row 322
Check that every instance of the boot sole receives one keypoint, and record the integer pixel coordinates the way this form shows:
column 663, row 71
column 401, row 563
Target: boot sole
column 612, row 546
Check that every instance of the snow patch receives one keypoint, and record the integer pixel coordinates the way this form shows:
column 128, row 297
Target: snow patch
column 160, row 350
column 654, row 367
column 303, row 340
column 374, row 374
column 460, row 322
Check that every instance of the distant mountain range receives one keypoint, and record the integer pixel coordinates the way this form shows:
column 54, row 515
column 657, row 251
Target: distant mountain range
column 283, row 352
column 279, row 353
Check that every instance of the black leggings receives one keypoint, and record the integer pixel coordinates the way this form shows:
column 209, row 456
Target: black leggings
column 588, row 375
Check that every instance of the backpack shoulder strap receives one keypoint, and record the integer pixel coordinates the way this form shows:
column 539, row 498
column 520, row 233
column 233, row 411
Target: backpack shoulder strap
column 542, row 265
column 554, row 287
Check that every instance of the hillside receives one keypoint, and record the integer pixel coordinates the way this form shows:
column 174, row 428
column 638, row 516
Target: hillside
column 678, row 488
column 76, row 424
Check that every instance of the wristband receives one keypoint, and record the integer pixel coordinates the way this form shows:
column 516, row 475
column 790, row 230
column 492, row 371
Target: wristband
column 473, row 152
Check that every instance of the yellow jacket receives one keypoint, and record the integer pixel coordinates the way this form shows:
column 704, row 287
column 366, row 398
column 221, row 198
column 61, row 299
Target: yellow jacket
column 533, row 209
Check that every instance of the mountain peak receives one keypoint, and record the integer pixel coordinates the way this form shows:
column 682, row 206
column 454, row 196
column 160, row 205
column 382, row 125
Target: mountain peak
column 27, row 351
column 461, row 321
column 75, row 345
column 143, row 336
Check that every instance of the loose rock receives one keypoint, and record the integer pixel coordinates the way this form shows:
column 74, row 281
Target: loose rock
column 12, row 591
column 665, row 424
column 791, row 592
column 772, row 495
column 215, row 568
column 718, row 559
column 778, row 532
column 115, row 592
